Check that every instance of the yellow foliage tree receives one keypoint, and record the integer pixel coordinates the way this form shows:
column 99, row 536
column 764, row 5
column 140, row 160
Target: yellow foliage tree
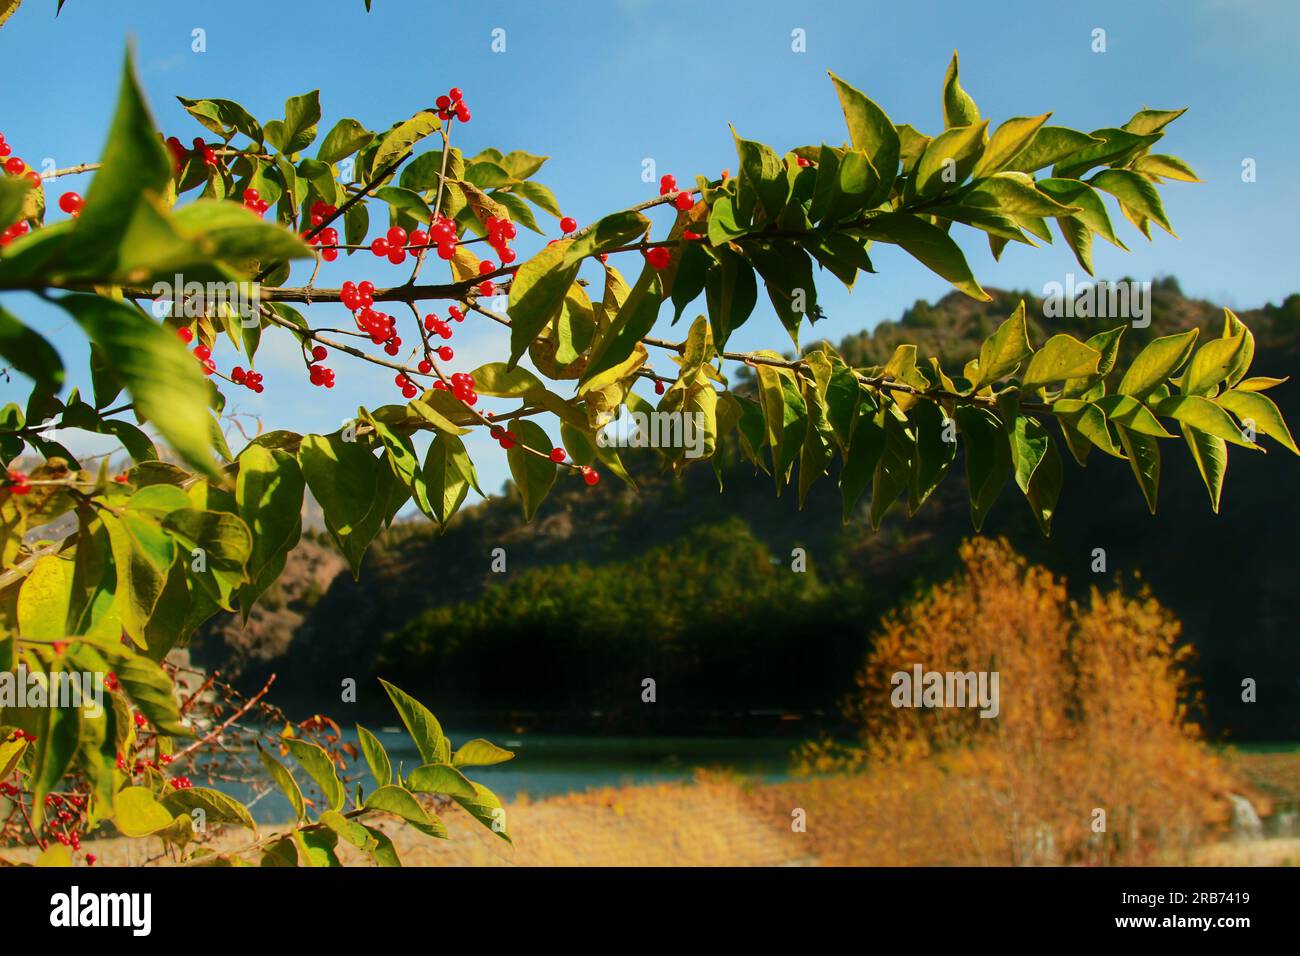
column 1091, row 758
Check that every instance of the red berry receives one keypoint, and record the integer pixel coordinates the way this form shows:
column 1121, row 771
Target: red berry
column 667, row 184
column 237, row 375
column 379, row 247
column 397, row 236
column 418, row 238
column 446, row 353
column 557, row 455
column 590, row 475
column 684, row 201
column 15, row 166
column 455, row 94
column 804, row 162
column 185, row 335
column 396, row 255
column 202, row 352
column 251, row 195
column 442, row 102
column 486, row 266
column 568, row 224
column 486, row 288
column 456, row 313
column 318, row 352
column 425, row 367
column 658, row 257
column 659, row 387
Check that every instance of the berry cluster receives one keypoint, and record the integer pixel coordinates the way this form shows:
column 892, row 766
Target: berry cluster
column 20, row 228
column 22, row 735
column 683, row 200
column 395, row 244
column 453, row 104
column 250, row 379
column 253, row 200
column 328, row 238
column 18, row 485
column 201, row 149
column 17, row 167
column 64, row 817
column 319, row 374
column 499, row 234
column 381, row 327
column 462, row 385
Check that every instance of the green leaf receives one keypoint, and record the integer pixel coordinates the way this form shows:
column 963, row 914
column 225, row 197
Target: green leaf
column 398, row 141
column 931, row 245
column 137, row 814
column 871, row 130
column 1212, row 364
column 1037, row 467
column 27, row 352
column 988, row 458
column 381, row 768
column 537, row 294
column 216, row 806
column 350, row 485
column 1161, row 358
column 1143, row 453
column 269, row 493
column 1007, row 141
column 440, row 778
column 284, row 780
column 1211, row 457
column 635, row 318
column 320, row 767
column 343, row 140
column 163, row 379
column 400, row 802
column 423, row 727
column 1262, row 411
column 615, row 230
column 359, row 836
column 480, row 753
column 958, row 107
column 1003, row 351
column 449, row 474
column 486, row 808
column 1135, row 193
column 223, row 117
column 761, row 170
column 1204, row 415
column 501, row 381
column 894, row 469
column 135, row 162
column 1050, row 145
column 948, row 160
column 1063, row 357
column 298, row 131
column 731, row 293
column 533, row 475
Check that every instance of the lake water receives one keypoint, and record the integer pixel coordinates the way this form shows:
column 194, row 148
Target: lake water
column 550, row 764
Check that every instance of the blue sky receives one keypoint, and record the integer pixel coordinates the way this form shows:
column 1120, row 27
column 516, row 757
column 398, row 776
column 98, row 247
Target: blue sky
column 600, row 86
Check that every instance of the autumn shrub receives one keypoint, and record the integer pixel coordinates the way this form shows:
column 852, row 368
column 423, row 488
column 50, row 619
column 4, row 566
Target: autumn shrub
column 1093, row 756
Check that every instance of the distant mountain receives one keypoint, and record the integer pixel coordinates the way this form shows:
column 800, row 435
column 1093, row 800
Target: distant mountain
column 1231, row 578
